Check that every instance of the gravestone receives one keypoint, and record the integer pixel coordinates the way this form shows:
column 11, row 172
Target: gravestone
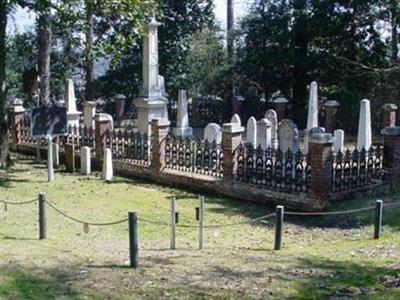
column 308, row 133
column 271, row 116
column 364, row 139
column 72, row 113
column 86, row 166
column 312, row 120
column 338, row 140
column 251, row 132
column 183, row 128
column 89, row 112
column 264, row 133
column 107, row 173
column 236, row 119
column 212, row 133
column 288, row 136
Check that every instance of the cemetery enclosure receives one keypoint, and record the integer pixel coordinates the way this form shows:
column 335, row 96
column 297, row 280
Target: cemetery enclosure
column 232, row 167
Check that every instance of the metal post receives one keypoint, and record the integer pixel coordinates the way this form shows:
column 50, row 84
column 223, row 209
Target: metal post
column 201, row 222
column 173, row 224
column 378, row 219
column 42, row 217
column 133, row 239
column 278, row 227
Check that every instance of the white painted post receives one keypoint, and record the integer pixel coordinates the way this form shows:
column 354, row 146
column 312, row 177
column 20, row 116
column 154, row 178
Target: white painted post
column 173, row 224
column 50, row 166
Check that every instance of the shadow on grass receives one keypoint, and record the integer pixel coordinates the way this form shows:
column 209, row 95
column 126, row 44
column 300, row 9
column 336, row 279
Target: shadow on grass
column 14, row 238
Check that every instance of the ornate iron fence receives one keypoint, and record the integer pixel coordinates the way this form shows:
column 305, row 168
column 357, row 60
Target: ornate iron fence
column 129, row 146
column 288, row 172
column 353, row 169
column 201, row 157
column 80, row 136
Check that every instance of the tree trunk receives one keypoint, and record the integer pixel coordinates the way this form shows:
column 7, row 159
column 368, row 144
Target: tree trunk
column 45, row 38
column 89, row 46
column 394, row 20
column 4, row 151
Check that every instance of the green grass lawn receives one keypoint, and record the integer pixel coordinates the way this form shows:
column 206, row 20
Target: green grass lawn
column 323, row 257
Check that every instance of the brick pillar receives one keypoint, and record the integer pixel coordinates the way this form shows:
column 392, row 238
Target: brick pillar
column 16, row 114
column 391, row 154
column 321, row 169
column 159, row 132
column 389, row 111
column 281, row 106
column 70, row 158
column 102, row 124
column 231, row 139
column 331, row 108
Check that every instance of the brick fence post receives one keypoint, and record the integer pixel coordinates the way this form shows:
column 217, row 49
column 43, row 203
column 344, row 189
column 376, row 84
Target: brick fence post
column 159, row 132
column 102, row 124
column 331, row 108
column 391, row 155
column 389, row 111
column 16, row 114
column 231, row 139
column 321, row 169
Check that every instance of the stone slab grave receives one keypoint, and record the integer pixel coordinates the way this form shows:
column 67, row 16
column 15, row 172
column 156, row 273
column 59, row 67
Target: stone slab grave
column 183, row 128
column 264, row 133
column 364, row 138
column 251, row 132
column 213, row 132
column 288, row 136
column 272, row 117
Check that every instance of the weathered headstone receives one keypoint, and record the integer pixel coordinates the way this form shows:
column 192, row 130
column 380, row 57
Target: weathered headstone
column 183, row 128
column 288, row 136
column 251, row 132
column 264, row 133
column 271, row 116
column 86, row 166
column 213, row 132
column 236, row 119
column 107, row 173
column 338, row 140
column 72, row 113
column 308, row 133
column 312, row 120
column 364, row 139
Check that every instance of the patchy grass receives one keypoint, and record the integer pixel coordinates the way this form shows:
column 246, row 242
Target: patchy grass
column 323, row 258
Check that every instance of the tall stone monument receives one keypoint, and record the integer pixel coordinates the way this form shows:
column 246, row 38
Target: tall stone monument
column 72, row 113
column 152, row 103
column 312, row 120
column 183, row 128
column 364, row 139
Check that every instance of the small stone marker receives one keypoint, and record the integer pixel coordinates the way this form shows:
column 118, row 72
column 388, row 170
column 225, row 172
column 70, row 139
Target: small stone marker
column 338, row 140
column 288, row 136
column 271, row 116
column 364, row 139
column 264, row 133
column 107, row 165
column 212, row 133
column 251, row 132
column 85, row 161
column 236, row 119
column 50, row 162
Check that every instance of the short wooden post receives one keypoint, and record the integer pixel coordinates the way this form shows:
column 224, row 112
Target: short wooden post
column 197, row 213
column 133, row 239
column 42, row 217
column 173, row 224
column 201, row 222
column 378, row 219
column 278, row 227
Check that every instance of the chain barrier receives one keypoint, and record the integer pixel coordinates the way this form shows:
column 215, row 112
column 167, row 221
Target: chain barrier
column 18, row 203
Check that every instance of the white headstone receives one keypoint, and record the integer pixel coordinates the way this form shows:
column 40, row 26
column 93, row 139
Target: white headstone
column 338, row 140
column 89, row 112
column 288, row 136
column 251, row 132
column 56, row 155
column 86, row 166
column 212, row 133
column 271, row 116
column 236, row 119
column 308, row 133
column 264, row 133
column 107, row 174
column 312, row 120
column 183, row 128
column 364, row 139
column 50, row 162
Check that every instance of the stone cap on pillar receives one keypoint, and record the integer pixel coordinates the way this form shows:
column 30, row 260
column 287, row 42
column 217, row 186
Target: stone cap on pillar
column 232, row 128
column 281, row 100
column 391, row 131
column 161, row 122
column 100, row 117
column 17, row 106
column 89, row 104
column 321, row 138
column 389, row 107
column 332, row 103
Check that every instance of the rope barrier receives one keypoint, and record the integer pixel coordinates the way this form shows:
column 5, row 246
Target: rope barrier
column 18, row 203
column 83, row 222
column 341, row 212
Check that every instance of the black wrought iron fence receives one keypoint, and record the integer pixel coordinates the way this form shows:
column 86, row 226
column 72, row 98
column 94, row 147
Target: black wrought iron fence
column 196, row 156
column 353, row 169
column 80, row 136
column 129, row 146
column 284, row 171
